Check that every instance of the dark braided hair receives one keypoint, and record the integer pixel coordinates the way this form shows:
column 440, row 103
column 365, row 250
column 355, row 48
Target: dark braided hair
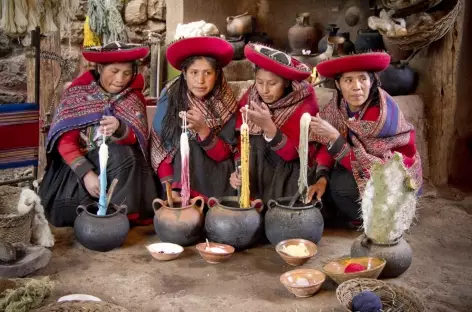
column 374, row 94
column 178, row 100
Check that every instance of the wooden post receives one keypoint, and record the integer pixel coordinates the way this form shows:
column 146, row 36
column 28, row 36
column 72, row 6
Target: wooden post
column 443, row 59
column 49, row 78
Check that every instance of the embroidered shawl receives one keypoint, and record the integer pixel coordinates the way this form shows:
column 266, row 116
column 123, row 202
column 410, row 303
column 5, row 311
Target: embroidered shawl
column 223, row 103
column 282, row 109
column 373, row 141
column 84, row 103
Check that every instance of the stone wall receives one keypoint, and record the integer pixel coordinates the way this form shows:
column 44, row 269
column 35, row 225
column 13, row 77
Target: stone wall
column 139, row 15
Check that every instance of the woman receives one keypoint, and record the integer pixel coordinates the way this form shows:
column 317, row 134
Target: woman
column 107, row 102
column 361, row 125
column 202, row 93
column 275, row 104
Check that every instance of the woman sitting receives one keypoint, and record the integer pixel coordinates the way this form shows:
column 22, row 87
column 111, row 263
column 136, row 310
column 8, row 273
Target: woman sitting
column 274, row 106
column 202, row 95
column 104, row 102
column 360, row 126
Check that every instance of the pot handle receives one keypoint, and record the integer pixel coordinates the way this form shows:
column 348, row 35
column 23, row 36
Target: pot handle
column 157, row 203
column 366, row 242
column 81, row 209
column 258, row 205
column 212, row 202
column 229, row 19
column 319, row 204
column 123, row 209
column 271, row 204
column 202, row 202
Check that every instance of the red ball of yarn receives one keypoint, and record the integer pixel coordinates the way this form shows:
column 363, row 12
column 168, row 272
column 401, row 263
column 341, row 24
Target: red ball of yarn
column 354, row 267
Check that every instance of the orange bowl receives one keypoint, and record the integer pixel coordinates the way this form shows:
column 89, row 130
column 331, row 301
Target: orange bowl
column 217, row 253
column 303, row 282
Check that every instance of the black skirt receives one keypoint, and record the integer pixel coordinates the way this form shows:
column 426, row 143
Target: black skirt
column 61, row 190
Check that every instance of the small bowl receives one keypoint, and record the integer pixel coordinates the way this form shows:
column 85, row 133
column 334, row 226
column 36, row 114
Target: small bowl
column 335, row 269
column 212, row 256
column 303, row 283
column 294, row 260
column 165, row 251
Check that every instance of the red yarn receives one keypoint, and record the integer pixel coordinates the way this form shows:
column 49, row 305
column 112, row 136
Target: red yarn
column 354, row 267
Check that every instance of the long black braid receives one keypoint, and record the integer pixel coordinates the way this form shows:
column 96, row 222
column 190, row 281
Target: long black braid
column 374, row 94
column 178, row 100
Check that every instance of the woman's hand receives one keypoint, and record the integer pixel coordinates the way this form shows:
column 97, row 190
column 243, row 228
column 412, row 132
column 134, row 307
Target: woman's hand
column 323, row 128
column 109, row 125
column 196, row 122
column 260, row 115
column 92, row 184
column 235, row 180
column 319, row 188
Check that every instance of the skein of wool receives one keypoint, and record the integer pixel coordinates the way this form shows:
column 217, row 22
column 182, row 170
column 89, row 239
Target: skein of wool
column 303, row 152
column 47, row 19
column 8, row 17
column 116, row 27
column 366, row 301
column 90, row 38
column 185, row 162
column 245, row 198
column 34, row 18
column 97, row 16
column 21, row 14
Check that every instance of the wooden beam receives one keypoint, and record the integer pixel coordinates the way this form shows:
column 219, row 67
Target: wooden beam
column 443, row 59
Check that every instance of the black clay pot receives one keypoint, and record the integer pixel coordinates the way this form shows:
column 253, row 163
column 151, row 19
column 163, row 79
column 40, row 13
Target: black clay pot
column 238, row 44
column 299, row 221
column 226, row 223
column 369, row 40
column 331, row 31
column 399, row 79
column 101, row 233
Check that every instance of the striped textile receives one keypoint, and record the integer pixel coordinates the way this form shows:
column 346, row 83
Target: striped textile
column 19, row 133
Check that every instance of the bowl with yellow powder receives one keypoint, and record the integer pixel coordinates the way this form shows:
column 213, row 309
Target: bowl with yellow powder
column 296, row 251
column 303, row 282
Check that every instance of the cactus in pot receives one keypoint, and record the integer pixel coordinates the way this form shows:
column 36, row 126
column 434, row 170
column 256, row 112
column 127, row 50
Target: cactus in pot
column 388, row 209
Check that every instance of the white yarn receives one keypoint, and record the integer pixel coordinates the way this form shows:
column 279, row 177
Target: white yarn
column 303, row 152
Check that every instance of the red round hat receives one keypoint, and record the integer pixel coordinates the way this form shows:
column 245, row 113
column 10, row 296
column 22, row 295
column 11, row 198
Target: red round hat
column 371, row 62
column 115, row 52
column 216, row 47
column 276, row 61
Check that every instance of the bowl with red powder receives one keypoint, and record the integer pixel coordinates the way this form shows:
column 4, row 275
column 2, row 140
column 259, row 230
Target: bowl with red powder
column 344, row 269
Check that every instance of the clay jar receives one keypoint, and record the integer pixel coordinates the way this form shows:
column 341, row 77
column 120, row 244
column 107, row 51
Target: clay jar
column 101, row 233
column 301, row 36
column 239, row 25
column 177, row 224
column 238, row 44
column 397, row 254
column 399, row 79
column 299, row 221
column 368, row 40
column 331, row 31
column 226, row 223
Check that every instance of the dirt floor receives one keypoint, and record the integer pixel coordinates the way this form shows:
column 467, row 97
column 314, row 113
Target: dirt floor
column 441, row 272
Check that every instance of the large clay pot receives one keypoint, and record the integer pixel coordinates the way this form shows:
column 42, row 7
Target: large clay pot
column 301, row 36
column 299, row 221
column 399, row 79
column 226, row 223
column 331, row 31
column 101, row 233
column 397, row 254
column 347, row 47
column 238, row 44
column 239, row 25
column 369, row 40
column 179, row 225
column 396, row 54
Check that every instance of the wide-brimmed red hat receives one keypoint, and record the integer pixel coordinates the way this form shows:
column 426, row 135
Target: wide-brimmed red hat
column 370, row 62
column 115, row 52
column 276, row 61
column 216, row 47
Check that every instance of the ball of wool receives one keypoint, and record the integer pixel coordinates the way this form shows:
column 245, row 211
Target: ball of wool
column 366, row 301
column 354, row 267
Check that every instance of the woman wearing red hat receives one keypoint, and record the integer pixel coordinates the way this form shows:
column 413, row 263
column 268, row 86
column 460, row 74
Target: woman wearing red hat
column 361, row 125
column 200, row 91
column 275, row 104
column 106, row 101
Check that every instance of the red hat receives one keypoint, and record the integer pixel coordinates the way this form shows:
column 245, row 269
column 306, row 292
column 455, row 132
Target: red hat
column 276, row 61
column 216, row 47
column 370, row 62
column 115, row 52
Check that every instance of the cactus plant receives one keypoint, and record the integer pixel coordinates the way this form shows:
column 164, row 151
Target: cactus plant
column 389, row 201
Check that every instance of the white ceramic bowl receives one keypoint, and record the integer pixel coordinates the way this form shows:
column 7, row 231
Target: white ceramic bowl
column 165, row 251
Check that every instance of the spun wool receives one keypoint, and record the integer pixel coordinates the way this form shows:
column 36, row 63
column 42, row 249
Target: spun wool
column 245, row 198
column 34, row 19
column 185, row 161
column 8, row 17
column 303, row 152
column 21, row 15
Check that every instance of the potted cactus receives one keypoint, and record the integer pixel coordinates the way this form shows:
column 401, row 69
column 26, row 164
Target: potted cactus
column 388, row 209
